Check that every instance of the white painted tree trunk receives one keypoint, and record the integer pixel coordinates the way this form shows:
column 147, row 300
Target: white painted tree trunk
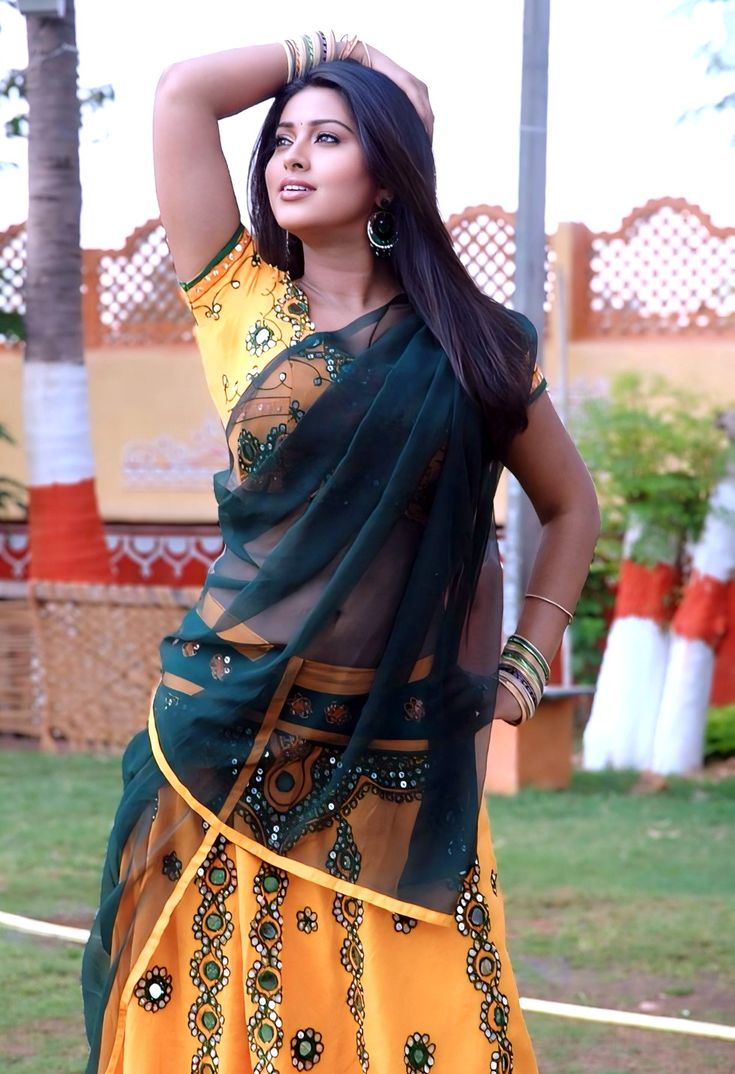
column 621, row 727
column 65, row 528
column 679, row 738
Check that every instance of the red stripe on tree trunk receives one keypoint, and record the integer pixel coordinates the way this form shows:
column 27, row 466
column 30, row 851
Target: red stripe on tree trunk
column 646, row 592
column 66, row 534
column 723, row 687
column 702, row 614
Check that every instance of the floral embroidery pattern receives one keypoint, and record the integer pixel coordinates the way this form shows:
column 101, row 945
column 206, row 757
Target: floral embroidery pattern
column 483, row 970
column 307, row 919
column 252, row 452
column 260, row 338
column 419, row 1054
column 306, row 1049
column 344, row 859
column 265, row 1027
column 298, row 773
column 171, row 866
column 401, row 923
column 154, row 990
column 293, row 308
column 300, row 706
column 216, row 880
column 337, row 712
column 414, row 709
column 348, row 912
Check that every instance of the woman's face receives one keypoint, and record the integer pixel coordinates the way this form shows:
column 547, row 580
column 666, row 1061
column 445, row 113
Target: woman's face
column 317, row 178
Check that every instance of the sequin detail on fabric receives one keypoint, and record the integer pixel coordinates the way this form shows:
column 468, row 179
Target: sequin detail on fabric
column 271, row 392
column 404, row 924
column 294, row 777
column 154, row 989
column 307, row 920
column 171, row 866
column 264, row 985
column 483, row 969
column 306, row 1049
column 419, row 1054
column 349, row 913
column 216, row 881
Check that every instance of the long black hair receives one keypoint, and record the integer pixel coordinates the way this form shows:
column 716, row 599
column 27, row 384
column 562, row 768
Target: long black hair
column 490, row 348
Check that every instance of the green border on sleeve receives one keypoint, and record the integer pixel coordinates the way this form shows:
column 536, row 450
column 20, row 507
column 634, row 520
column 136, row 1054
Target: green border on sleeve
column 541, row 387
column 229, row 245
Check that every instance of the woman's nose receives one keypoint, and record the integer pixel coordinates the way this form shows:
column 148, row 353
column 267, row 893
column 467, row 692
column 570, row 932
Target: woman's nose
column 295, row 157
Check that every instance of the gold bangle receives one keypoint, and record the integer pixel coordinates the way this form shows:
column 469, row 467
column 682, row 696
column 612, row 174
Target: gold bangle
column 291, row 68
column 322, row 38
column 547, row 600
column 516, row 690
column 505, row 674
column 515, row 656
column 513, row 662
column 348, row 46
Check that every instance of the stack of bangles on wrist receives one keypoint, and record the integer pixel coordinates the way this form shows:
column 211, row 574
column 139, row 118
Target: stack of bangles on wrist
column 310, row 50
column 524, row 672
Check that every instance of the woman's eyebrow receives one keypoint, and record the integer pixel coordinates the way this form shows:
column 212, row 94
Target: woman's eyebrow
column 319, row 123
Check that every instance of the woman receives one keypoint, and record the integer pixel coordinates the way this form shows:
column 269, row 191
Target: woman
column 300, row 872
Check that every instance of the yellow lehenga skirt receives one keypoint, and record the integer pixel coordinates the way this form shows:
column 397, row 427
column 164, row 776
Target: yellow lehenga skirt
column 256, row 970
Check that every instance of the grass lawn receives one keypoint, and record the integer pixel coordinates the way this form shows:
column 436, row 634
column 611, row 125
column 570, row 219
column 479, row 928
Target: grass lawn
column 613, row 900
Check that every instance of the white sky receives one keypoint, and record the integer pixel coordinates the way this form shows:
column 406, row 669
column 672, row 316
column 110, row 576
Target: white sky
column 621, row 74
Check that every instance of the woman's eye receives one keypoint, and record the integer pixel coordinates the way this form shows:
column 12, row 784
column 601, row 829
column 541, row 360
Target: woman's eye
column 326, row 134
column 281, row 140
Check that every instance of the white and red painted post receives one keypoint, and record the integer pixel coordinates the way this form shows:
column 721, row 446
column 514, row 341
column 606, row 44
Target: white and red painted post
column 700, row 624
column 66, row 532
column 621, row 726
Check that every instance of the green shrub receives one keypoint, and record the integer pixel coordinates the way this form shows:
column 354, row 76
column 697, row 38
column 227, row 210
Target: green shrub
column 655, row 452
column 594, row 611
column 719, row 737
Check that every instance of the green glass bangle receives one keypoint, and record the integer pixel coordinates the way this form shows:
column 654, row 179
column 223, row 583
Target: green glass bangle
column 515, row 660
column 524, row 643
column 516, row 652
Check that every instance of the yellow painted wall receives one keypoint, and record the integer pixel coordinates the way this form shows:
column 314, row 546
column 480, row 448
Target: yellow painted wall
column 139, row 395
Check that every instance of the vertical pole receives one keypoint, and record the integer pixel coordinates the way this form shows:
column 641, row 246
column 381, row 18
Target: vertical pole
column 523, row 528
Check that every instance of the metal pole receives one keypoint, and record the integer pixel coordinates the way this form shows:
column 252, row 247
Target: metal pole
column 523, row 528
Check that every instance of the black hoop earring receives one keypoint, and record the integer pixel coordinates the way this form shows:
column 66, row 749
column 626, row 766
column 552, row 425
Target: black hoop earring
column 382, row 230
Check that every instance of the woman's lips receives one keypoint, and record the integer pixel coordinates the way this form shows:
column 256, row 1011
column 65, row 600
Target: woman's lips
column 295, row 195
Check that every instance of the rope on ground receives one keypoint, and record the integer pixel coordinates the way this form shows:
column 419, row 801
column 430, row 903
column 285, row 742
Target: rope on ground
column 532, row 1006
column 629, row 1018
column 43, row 928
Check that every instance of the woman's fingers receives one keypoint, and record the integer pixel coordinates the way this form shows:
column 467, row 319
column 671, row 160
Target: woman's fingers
column 416, row 91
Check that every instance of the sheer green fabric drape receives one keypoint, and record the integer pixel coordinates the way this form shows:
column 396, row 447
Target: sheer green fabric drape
column 359, row 559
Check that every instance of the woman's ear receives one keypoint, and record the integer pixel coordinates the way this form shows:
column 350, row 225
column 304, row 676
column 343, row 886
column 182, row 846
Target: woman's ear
column 383, row 198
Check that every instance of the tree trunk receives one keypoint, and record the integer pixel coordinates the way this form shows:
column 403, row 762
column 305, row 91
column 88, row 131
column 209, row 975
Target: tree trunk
column 622, row 723
column 66, row 531
column 697, row 630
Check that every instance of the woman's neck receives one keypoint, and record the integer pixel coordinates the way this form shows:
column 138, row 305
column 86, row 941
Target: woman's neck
column 337, row 285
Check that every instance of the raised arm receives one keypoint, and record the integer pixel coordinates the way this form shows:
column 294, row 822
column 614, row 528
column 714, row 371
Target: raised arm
column 196, row 197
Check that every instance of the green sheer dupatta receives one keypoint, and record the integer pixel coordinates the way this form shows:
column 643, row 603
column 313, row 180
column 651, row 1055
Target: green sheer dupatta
column 329, row 699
